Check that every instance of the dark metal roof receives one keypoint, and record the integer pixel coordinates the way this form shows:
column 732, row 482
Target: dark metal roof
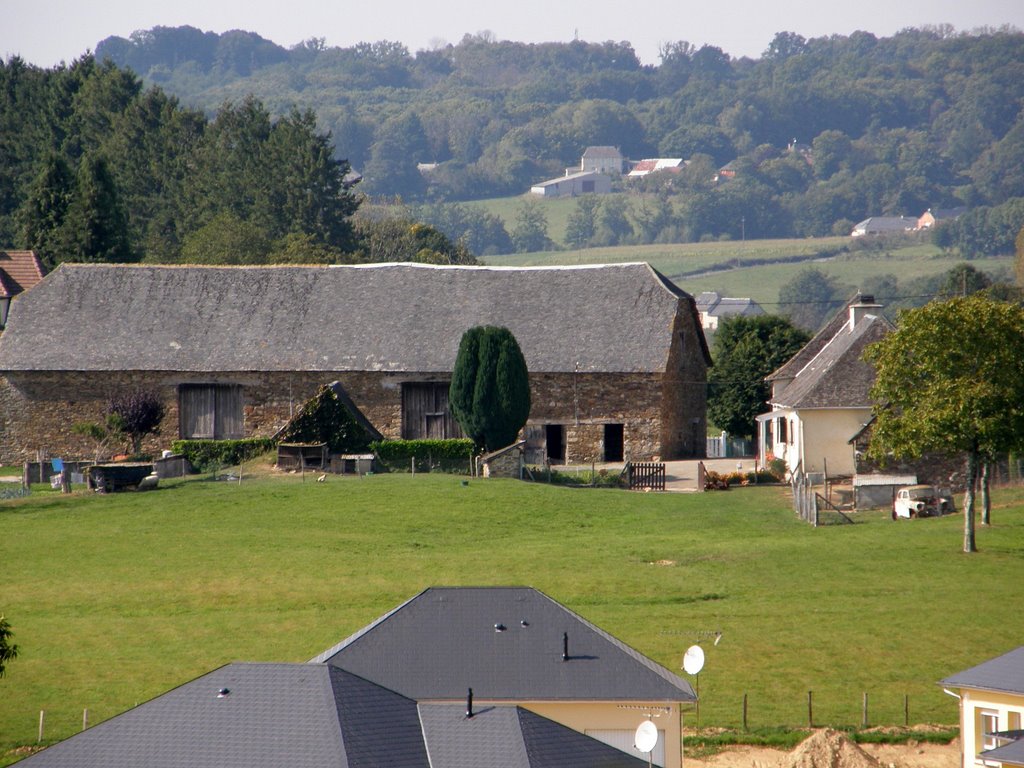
column 1004, row 674
column 272, row 715
column 837, row 377
column 512, row 737
column 444, row 641
column 1010, row 754
column 382, row 317
column 319, row 716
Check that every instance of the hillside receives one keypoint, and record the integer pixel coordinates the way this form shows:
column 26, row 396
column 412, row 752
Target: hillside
column 818, row 131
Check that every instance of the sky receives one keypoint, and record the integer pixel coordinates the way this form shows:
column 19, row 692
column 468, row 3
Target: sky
column 46, row 32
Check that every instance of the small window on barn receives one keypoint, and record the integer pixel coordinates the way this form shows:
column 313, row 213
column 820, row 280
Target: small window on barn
column 210, row 411
column 588, row 187
column 425, row 413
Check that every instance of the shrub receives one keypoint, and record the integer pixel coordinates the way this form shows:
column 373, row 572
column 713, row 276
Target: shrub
column 203, row 454
column 444, row 455
column 135, row 415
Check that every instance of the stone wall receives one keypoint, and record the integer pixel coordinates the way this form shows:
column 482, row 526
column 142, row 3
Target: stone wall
column 39, row 410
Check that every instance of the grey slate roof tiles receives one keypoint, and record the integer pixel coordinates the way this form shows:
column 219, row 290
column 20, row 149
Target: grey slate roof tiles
column 837, row 377
column 320, row 716
column 382, row 317
column 511, row 737
column 419, row 650
column 1003, row 674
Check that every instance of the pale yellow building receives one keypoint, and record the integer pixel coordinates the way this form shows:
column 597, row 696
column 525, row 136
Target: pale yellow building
column 820, row 398
column 991, row 699
column 515, row 645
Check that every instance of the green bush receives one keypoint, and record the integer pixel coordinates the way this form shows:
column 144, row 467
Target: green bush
column 602, row 478
column 203, row 454
column 430, row 455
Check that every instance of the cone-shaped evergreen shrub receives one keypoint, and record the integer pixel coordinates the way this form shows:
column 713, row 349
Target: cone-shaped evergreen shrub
column 490, row 390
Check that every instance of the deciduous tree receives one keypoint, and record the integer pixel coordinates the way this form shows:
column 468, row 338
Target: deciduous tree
column 950, row 379
column 746, row 350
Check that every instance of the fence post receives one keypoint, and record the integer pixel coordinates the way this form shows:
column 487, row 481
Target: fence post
column 810, row 710
column 906, row 709
column 85, row 718
column 744, row 711
column 864, row 711
column 42, row 718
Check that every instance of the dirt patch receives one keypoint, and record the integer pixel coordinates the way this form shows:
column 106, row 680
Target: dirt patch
column 829, row 749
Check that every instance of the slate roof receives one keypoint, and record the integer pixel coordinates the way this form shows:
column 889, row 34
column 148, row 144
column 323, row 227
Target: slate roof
column 272, row 715
column 791, row 367
column 568, row 177
column 837, row 377
column 19, row 271
column 512, row 737
column 444, row 640
column 1009, row 754
column 382, row 317
column 602, row 151
column 319, row 716
column 1003, row 674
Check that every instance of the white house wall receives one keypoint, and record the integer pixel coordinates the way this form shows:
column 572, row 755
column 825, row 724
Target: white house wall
column 828, row 430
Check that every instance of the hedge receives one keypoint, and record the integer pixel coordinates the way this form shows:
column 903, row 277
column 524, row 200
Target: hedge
column 202, row 454
column 445, row 455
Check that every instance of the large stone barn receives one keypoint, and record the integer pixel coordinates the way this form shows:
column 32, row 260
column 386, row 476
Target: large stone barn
column 616, row 354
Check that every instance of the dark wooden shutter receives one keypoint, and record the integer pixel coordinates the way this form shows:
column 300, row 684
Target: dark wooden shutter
column 196, row 405
column 228, row 413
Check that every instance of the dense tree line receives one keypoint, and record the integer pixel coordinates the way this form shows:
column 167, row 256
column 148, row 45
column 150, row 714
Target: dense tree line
column 96, row 167
column 821, row 132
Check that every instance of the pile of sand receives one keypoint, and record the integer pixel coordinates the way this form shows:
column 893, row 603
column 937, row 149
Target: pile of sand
column 830, row 749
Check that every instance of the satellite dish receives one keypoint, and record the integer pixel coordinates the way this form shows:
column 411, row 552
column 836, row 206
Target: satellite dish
column 693, row 659
column 646, row 736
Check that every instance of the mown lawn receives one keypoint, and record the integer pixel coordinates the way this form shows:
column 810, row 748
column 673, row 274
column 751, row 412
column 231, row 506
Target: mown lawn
column 115, row 599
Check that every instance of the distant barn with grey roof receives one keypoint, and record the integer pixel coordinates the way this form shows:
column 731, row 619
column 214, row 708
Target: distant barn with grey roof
column 616, row 354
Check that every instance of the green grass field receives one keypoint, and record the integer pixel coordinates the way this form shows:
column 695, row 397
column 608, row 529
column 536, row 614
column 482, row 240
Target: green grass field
column 697, row 267
column 115, row 599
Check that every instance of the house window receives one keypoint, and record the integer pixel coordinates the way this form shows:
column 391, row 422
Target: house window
column 210, row 411
column 782, row 431
column 988, row 726
column 425, row 412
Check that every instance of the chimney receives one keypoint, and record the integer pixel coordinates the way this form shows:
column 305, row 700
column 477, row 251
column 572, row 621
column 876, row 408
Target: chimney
column 863, row 305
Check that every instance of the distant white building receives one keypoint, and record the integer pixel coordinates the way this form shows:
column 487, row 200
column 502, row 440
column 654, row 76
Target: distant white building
column 884, row 225
column 655, row 164
column 713, row 307
column 602, row 160
column 573, row 184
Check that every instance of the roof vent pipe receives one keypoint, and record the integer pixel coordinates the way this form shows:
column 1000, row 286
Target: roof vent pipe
column 469, row 703
column 565, row 646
